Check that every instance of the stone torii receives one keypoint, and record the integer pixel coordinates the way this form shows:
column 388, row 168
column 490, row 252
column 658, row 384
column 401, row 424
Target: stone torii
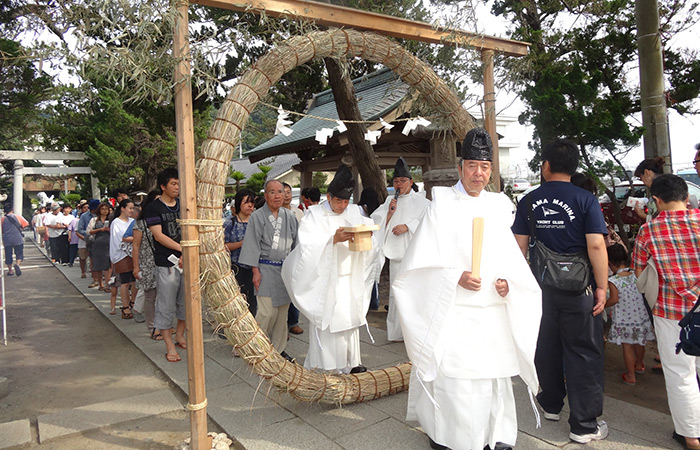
column 20, row 170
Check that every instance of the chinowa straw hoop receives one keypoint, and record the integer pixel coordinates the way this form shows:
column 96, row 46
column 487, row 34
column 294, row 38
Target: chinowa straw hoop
column 227, row 305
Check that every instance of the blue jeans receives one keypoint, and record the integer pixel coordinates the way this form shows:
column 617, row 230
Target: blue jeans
column 19, row 253
column 72, row 253
column 292, row 316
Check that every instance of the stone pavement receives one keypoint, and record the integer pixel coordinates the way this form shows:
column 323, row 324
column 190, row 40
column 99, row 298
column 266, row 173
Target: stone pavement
column 259, row 417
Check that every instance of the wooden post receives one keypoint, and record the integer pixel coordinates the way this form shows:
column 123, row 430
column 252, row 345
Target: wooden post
column 490, row 115
column 188, row 211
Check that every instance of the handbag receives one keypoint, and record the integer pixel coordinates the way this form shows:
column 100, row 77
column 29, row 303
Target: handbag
column 89, row 237
column 648, row 283
column 690, row 332
column 125, row 264
column 563, row 271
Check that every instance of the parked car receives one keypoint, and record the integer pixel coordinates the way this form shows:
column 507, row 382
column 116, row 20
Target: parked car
column 689, row 175
column 638, row 190
column 622, row 193
column 524, row 193
column 521, row 185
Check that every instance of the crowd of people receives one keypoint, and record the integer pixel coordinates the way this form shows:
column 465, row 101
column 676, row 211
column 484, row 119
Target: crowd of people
column 458, row 273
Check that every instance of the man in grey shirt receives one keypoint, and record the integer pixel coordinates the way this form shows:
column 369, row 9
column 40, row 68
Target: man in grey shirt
column 270, row 236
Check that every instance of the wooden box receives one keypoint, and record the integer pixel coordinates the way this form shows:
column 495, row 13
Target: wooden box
column 363, row 237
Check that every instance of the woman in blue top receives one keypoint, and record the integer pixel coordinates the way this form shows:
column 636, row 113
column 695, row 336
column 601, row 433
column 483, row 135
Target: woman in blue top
column 234, row 231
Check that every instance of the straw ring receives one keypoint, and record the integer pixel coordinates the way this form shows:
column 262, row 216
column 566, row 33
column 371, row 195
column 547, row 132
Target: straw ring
column 309, row 386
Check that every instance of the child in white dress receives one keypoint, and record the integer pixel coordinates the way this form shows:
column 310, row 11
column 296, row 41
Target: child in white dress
column 631, row 325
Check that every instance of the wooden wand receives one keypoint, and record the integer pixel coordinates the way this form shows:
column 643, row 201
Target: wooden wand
column 477, row 241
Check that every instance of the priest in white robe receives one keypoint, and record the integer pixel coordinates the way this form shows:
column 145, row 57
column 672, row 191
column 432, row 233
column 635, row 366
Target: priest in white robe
column 467, row 336
column 330, row 284
column 398, row 217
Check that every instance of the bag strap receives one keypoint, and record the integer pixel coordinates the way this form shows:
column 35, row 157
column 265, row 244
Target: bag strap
column 146, row 233
column 689, row 315
column 531, row 219
column 14, row 221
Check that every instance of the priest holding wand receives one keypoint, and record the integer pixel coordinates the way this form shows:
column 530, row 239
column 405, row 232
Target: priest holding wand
column 470, row 311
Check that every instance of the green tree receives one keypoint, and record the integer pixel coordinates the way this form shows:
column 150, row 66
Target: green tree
column 578, row 79
column 318, row 180
column 127, row 144
column 23, row 91
column 237, row 176
column 256, row 182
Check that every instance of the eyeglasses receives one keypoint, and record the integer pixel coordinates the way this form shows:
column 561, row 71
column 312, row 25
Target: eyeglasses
column 695, row 161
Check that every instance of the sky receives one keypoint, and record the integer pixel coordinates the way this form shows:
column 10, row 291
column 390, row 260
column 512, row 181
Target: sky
column 682, row 129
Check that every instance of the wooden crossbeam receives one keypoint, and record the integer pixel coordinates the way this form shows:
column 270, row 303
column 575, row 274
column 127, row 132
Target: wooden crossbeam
column 340, row 16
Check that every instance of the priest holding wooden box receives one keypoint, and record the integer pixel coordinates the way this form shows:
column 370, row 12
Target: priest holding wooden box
column 470, row 311
column 329, row 277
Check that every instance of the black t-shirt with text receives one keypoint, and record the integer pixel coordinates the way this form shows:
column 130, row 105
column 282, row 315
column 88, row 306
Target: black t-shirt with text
column 158, row 213
column 563, row 215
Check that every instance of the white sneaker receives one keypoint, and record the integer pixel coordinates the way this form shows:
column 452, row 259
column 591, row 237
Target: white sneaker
column 551, row 416
column 600, row 433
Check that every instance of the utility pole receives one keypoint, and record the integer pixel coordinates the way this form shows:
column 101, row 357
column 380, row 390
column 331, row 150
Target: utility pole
column 651, row 81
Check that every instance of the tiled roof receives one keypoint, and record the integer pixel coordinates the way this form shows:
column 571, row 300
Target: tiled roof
column 377, row 94
column 280, row 164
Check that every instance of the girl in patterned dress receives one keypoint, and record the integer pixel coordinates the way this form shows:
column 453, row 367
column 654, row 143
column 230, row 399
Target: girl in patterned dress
column 631, row 325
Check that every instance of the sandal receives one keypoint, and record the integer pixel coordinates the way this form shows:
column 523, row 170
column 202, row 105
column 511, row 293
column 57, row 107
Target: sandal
column 107, row 289
column 182, row 345
column 156, row 336
column 627, row 381
column 640, row 371
column 126, row 315
column 112, row 312
column 172, row 358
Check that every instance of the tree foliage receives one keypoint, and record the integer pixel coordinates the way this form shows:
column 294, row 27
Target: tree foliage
column 580, row 78
column 24, row 88
column 127, row 144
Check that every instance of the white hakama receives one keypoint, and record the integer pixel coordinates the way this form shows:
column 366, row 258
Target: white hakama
column 339, row 351
column 471, row 412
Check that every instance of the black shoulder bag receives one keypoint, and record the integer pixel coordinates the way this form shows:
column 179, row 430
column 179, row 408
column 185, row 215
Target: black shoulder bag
column 690, row 332
column 563, row 271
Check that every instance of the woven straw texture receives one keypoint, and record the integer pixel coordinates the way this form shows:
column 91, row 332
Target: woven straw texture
column 227, row 306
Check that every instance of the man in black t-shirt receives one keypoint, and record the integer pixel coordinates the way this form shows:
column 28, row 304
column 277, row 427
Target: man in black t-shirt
column 568, row 219
column 161, row 217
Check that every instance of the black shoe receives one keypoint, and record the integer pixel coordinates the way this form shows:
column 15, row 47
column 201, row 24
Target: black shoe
column 287, row 357
column 386, row 307
column 358, row 369
column 502, row 446
column 680, row 439
column 436, row 446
